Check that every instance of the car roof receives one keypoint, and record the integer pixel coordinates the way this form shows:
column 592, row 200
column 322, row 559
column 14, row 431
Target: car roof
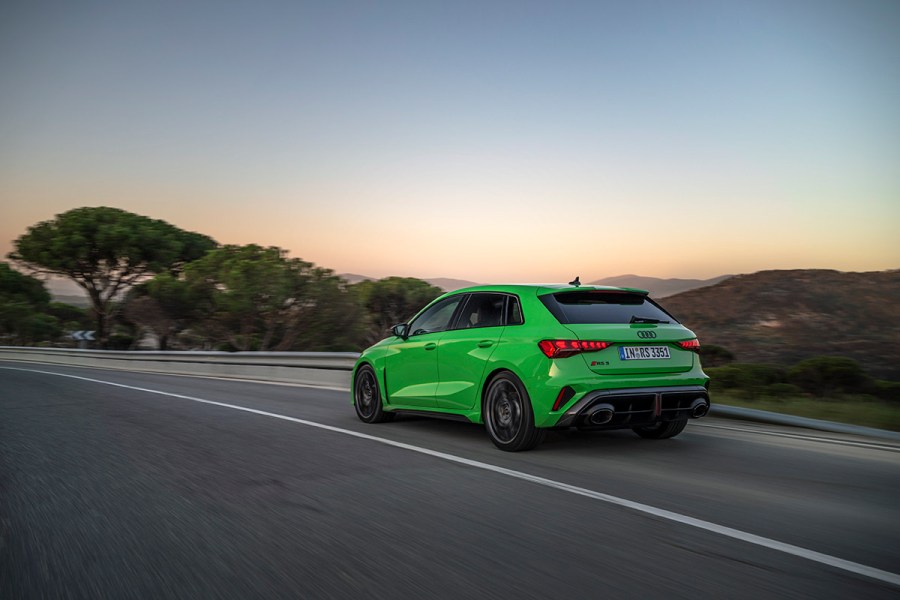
column 540, row 289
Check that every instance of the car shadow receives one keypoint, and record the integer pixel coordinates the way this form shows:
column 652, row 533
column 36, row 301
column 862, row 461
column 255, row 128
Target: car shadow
column 556, row 441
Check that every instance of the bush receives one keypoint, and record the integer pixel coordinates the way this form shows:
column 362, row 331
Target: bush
column 715, row 356
column 825, row 375
column 120, row 341
column 40, row 327
column 723, row 378
column 886, row 390
column 754, row 379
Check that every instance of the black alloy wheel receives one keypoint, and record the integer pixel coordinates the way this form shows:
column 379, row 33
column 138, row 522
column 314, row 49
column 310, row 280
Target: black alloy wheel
column 508, row 416
column 367, row 397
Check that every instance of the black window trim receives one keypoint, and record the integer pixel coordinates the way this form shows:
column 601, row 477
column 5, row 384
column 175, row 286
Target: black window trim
column 506, row 310
column 454, row 322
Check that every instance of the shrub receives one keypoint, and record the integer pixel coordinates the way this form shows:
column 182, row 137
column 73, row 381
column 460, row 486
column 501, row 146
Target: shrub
column 723, row 377
column 886, row 390
column 120, row 341
column 824, row 375
column 753, row 379
column 715, row 356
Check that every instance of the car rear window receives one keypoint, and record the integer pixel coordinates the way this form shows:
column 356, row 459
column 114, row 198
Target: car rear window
column 604, row 307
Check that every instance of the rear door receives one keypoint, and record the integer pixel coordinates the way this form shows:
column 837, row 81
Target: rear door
column 464, row 351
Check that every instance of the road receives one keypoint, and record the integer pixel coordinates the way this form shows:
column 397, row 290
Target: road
column 205, row 488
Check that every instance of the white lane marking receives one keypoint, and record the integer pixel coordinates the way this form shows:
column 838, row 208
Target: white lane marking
column 737, row 534
column 798, row 436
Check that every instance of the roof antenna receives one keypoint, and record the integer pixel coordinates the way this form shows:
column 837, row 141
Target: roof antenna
column 576, row 282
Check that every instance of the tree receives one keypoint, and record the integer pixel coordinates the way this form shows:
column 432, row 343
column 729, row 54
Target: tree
column 165, row 305
column 336, row 325
column 391, row 301
column 18, row 287
column 23, row 302
column 255, row 298
column 71, row 317
column 106, row 251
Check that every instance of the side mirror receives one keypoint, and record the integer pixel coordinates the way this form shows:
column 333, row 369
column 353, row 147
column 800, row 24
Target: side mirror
column 401, row 330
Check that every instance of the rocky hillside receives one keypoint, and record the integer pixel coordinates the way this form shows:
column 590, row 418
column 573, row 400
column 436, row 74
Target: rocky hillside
column 786, row 316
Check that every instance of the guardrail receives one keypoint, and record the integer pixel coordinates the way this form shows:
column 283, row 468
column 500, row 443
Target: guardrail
column 319, row 369
column 323, row 369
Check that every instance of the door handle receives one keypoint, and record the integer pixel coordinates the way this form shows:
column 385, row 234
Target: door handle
column 430, row 346
column 485, row 343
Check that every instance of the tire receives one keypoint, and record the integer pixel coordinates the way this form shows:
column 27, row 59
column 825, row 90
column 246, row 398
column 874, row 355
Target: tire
column 367, row 397
column 508, row 415
column 661, row 431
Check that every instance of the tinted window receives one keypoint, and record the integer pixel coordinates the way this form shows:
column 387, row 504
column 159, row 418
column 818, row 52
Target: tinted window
column 482, row 310
column 604, row 307
column 514, row 311
column 436, row 317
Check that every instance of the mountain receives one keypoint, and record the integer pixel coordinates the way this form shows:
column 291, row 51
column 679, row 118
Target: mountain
column 450, row 285
column 785, row 316
column 354, row 278
column 658, row 288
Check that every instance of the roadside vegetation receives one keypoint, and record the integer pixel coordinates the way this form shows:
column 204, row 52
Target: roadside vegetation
column 824, row 387
column 153, row 285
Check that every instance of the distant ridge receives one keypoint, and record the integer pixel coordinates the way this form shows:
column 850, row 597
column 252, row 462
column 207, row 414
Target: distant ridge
column 450, row 285
column 354, row 278
column 786, row 316
column 658, row 287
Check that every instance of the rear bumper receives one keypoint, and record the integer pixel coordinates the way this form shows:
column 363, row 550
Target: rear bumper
column 632, row 407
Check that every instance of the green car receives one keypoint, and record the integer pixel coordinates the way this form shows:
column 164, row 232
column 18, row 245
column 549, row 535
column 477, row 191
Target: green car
column 522, row 359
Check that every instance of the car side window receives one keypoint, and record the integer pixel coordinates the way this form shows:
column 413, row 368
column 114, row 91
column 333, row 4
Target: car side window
column 513, row 311
column 482, row 310
column 437, row 317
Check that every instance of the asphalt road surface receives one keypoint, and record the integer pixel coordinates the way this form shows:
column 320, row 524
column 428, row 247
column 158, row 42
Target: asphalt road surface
column 176, row 490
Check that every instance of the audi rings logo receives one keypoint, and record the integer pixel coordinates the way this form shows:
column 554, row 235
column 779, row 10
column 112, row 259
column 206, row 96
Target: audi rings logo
column 647, row 335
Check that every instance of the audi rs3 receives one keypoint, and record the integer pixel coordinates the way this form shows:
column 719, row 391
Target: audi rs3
column 522, row 359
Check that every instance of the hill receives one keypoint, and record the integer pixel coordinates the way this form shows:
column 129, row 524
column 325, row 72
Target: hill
column 450, row 285
column 355, row 278
column 658, row 288
column 786, row 316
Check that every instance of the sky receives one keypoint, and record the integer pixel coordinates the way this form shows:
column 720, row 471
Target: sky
column 486, row 141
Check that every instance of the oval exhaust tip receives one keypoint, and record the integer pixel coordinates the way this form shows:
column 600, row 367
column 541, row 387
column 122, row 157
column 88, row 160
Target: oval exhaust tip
column 602, row 414
column 699, row 408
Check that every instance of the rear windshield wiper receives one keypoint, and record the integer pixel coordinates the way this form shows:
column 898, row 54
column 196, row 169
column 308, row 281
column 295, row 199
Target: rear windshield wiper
column 637, row 319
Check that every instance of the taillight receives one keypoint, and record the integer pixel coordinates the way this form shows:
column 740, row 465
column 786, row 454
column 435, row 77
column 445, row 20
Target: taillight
column 564, row 348
column 692, row 345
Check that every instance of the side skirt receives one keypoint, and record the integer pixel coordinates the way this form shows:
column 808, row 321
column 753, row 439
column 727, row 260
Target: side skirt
column 431, row 414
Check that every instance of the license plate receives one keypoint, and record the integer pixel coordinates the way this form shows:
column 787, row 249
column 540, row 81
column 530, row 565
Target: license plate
column 643, row 352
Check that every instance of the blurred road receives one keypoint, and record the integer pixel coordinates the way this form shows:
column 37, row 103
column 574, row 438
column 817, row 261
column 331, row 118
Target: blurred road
column 113, row 492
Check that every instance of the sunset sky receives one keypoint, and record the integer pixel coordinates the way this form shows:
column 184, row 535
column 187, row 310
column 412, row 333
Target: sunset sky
column 487, row 141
